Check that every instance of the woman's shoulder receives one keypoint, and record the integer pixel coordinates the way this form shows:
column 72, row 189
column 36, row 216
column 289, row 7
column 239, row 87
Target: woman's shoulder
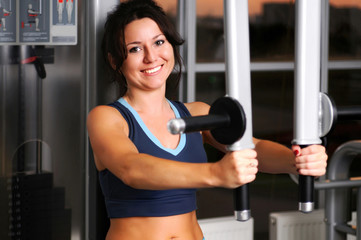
column 102, row 110
column 104, row 114
column 197, row 108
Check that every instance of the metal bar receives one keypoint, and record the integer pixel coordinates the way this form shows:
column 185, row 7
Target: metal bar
column 337, row 184
column 325, row 15
column 190, row 37
column 210, row 67
column 345, row 228
column 277, row 66
column 337, row 206
column 39, row 133
column 344, row 65
column 238, row 83
column 3, row 118
column 307, row 72
column 349, row 113
column 238, row 75
column 341, row 160
column 198, row 123
column 256, row 67
column 307, row 88
column 181, row 29
column 272, row 66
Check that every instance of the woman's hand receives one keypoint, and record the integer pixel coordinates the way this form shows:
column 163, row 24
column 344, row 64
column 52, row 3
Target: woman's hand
column 236, row 168
column 311, row 161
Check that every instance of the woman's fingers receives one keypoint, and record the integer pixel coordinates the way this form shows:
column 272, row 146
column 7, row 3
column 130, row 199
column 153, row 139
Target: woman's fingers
column 311, row 160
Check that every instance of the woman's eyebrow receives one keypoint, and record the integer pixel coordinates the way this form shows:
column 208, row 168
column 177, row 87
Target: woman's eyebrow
column 138, row 42
column 157, row 36
column 131, row 43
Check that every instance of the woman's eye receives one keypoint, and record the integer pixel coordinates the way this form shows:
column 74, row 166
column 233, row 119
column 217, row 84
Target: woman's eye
column 134, row 49
column 159, row 42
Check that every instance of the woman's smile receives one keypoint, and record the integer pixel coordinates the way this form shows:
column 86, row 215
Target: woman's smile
column 152, row 71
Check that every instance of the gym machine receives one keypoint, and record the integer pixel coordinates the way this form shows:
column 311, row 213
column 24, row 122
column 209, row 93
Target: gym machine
column 31, row 206
column 230, row 117
column 315, row 116
column 314, row 111
column 338, row 193
column 307, row 89
column 36, row 208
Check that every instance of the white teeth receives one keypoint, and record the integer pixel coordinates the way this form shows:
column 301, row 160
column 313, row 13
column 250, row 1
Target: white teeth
column 152, row 70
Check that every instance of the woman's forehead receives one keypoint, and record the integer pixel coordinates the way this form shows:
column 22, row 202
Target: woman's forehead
column 141, row 28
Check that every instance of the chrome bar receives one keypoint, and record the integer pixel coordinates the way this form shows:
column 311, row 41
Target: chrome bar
column 238, row 84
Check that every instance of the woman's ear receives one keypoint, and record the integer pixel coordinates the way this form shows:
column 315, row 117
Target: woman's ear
column 111, row 61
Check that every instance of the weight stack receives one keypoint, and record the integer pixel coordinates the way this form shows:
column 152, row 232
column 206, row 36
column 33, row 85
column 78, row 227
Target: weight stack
column 4, row 208
column 37, row 209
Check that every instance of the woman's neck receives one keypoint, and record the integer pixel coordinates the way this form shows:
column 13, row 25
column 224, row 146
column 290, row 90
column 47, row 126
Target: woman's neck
column 150, row 102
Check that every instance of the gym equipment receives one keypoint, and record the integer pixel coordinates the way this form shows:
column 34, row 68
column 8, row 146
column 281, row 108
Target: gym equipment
column 307, row 89
column 239, row 88
column 226, row 121
column 315, row 112
column 330, row 113
column 35, row 207
column 338, row 191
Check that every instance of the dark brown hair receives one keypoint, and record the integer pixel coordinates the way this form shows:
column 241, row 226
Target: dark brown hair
column 113, row 43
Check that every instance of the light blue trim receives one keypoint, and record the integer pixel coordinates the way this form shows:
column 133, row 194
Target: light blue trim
column 155, row 140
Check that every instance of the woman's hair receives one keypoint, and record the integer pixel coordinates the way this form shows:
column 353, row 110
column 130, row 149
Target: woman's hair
column 113, row 43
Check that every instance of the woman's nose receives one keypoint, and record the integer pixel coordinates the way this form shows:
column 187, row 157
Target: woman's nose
column 150, row 55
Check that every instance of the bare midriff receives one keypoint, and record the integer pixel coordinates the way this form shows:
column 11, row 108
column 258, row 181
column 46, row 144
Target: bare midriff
column 177, row 227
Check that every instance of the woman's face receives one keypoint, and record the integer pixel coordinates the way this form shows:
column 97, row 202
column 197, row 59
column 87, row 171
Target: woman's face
column 150, row 57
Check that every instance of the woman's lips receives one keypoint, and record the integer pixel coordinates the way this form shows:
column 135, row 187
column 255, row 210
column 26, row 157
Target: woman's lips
column 152, row 70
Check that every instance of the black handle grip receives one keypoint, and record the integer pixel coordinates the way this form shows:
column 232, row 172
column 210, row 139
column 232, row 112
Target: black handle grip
column 348, row 113
column 241, row 203
column 306, row 186
column 207, row 122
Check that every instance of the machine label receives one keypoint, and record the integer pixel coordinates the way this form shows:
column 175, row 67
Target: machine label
column 38, row 22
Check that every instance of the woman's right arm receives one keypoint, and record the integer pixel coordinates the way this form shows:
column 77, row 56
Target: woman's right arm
column 113, row 150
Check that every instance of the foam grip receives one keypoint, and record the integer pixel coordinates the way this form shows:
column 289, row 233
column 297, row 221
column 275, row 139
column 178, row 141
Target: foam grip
column 306, row 186
column 241, row 203
column 208, row 122
column 305, row 193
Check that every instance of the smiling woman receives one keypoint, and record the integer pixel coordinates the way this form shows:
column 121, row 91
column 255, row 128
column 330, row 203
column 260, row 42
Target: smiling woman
column 150, row 57
column 149, row 176
column 165, row 34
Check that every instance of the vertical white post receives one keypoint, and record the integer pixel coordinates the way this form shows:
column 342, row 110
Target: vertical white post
column 238, row 70
column 307, row 87
column 238, row 83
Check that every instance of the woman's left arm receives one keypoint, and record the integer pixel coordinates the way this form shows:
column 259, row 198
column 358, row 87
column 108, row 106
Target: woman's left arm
column 276, row 158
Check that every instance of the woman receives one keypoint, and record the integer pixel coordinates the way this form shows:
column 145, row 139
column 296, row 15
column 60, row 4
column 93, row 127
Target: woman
column 149, row 176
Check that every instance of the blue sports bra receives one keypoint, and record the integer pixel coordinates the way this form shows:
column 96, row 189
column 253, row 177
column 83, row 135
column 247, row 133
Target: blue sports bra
column 124, row 201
